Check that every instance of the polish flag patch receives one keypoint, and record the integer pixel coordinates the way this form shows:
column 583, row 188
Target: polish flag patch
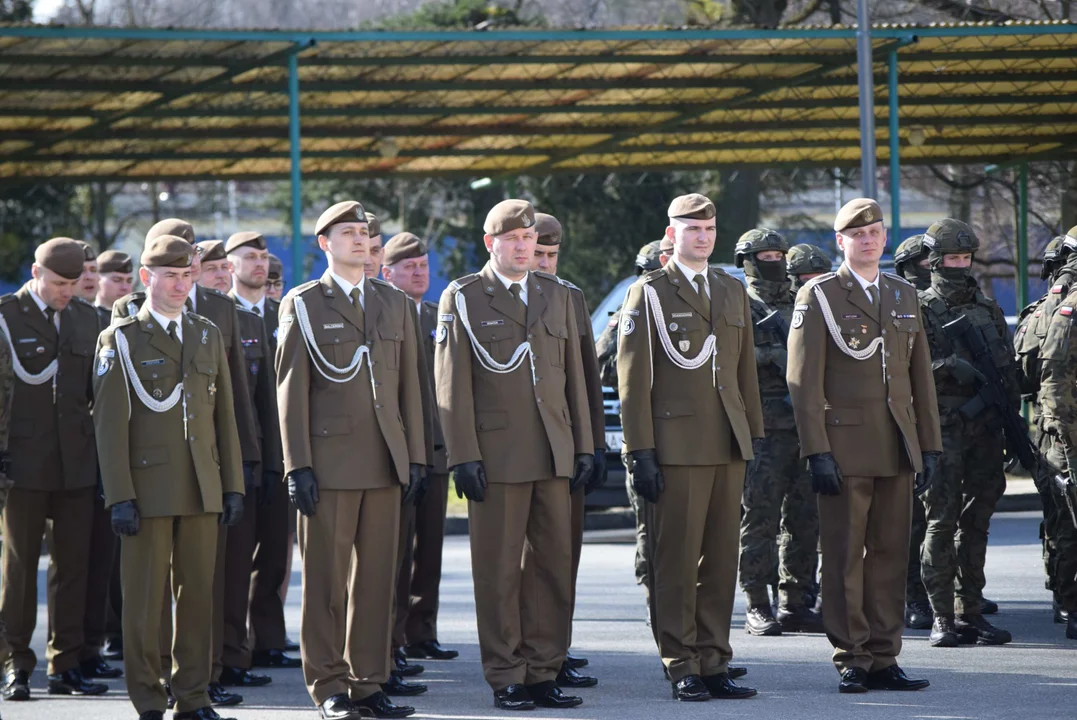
column 1065, row 310
column 1056, row 290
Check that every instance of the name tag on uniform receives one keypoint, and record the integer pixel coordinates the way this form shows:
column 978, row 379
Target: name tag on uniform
column 445, row 317
column 23, row 341
column 851, row 316
column 632, row 312
column 158, row 361
column 488, row 323
column 108, row 353
column 681, row 315
column 333, row 326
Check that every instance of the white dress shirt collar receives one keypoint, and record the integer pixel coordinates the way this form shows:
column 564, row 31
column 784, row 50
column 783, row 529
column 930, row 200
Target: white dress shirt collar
column 248, row 305
column 347, row 287
column 508, row 283
column 164, row 321
column 690, row 274
column 42, row 306
column 864, row 283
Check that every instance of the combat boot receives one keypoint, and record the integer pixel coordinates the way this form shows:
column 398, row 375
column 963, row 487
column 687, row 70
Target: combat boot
column 918, row 615
column 943, row 632
column 799, row 619
column 1071, row 627
column 986, row 633
column 759, row 620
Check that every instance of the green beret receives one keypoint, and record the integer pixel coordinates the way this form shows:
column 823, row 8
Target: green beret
column 247, row 237
column 172, row 226
column 210, row 250
column 373, row 223
column 691, row 207
column 349, row 211
column 168, row 251
column 276, row 268
column 548, row 229
column 63, row 256
column 509, row 215
column 112, row 261
column 403, row 246
column 858, row 213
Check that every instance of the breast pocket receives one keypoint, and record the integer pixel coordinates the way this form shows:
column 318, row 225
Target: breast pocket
column 390, row 345
column 557, row 334
column 158, row 375
column 338, row 345
column 907, row 330
column 206, row 371
column 254, row 354
column 496, row 340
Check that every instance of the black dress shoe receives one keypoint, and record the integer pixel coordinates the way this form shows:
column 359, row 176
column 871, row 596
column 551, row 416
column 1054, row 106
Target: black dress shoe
column 985, row 632
column 1071, row 627
column 17, row 686
column 113, row 650
column 513, row 697
column 572, row 678
column 171, row 698
column 402, row 667
column 988, row 607
column 71, row 682
column 759, row 620
column 339, row 707
column 396, row 686
column 382, row 707
column 274, row 659
column 944, row 632
column 1061, row 616
column 690, row 688
column 799, row 619
column 238, row 677
column 853, row 680
column 206, row 713
column 431, row 649
column 737, row 672
column 918, row 615
column 290, row 645
column 219, row 697
column 894, row 678
column 548, row 695
column 96, row 667
column 152, row 715
column 722, row 687
column 575, row 662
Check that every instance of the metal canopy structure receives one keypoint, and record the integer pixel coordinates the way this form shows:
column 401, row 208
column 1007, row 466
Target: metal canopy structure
column 84, row 104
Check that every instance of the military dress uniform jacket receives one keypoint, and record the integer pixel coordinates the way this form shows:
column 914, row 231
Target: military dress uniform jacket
column 328, row 426
column 689, row 416
column 591, row 372
column 150, row 457
column 55, row 415
column 262, row 384
column 219, row 309
column 523, row 427
column 849, row 407
column 428, row 325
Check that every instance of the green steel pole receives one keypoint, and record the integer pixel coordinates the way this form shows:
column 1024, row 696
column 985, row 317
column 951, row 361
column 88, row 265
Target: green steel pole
column 297, row 175
column 1022, row 237
column 895, row 154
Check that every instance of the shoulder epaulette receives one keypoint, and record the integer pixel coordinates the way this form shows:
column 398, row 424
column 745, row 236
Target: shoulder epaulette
column 430, row 303
column 554, row 278
column 300, row 289
column 216, row 292
column 819, row 279
column 900, row 279
column 241, row 310
column 718, row 272
column 459, row 283
column 9, row 297
column 652, row 275
column 382, row 283
column 85, row 302
column 200, row 318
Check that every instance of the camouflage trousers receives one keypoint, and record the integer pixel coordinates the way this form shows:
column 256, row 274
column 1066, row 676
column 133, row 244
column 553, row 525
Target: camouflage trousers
column 958, row 507
column 1049, row 525
column 1064, row 541
column 914, row 583
column 778, row 501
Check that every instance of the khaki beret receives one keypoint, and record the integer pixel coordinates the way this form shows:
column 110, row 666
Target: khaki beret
column 858, row 213
column 349, row 211
column 112, row 261
column 693, row 207
column 403, row 246
column 247, row 237
column 87, row 248
column 174, row 227
column 63, row 256
column 276, row 268
column 210, row 250
column 168, row 251
column 665, row 245
column 373, row 223
column 509, row 215
column 548, row 229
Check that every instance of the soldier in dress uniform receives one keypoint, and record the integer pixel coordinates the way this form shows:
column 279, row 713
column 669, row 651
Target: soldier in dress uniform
column 512, row 397
column 117, row 278
column 406, row 266
column 53, row 465
column 87, row 287
column 374, row 260
column 687, row 371
column 547, row 254
column 867, row 417
column 216, row 270
column 172, row 471
column 272, row 517
column 777, row 501
column 347, row 363
column 7, row 395
column 275, row 279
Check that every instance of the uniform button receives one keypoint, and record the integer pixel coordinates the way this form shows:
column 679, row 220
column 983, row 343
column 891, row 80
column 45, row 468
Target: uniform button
column 721, row 387
column 377, row 383
column 154, row 376
column 540, row 400
column 718, row 367
column 887, row 353
column 336, row 339
column 193, row 438
column 535, row 356
column 837, row 422
column 530, row 336
column 884, row 331
column 377, row 407
column 370, row 343
column 184, row 374
column 190, row 395
column 482, row 426
column 537, row 378
column 324, row 431
column 191, row 416
column 143, row 461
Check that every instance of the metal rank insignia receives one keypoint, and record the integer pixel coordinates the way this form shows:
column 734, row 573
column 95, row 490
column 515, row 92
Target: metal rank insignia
column 854, row 342
column 157, row 394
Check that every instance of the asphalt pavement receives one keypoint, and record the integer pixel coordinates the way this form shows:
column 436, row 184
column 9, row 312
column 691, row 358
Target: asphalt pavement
column 1035, row 677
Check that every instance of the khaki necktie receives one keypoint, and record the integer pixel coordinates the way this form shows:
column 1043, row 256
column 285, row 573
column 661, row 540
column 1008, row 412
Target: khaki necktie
column 50, row 316
column 172, row 333
column 701, row 288
column 873, row 293
column 255, row 310
column 516, row 289
column 359, row 308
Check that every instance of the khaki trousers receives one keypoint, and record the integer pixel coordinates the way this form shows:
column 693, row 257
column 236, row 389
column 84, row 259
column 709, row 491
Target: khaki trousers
column 695, row 526
column 405, row 547
column 271, row 555
column 24, row 523
column 349, row 567
column 103, row 544
column 184, row 548
column 576, row 518
column 864, row 534
column 238, row 564
column 422, row 616
column 521, row 557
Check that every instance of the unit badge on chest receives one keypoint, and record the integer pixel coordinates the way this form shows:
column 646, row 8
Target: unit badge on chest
column 683, row 345
column 854, row 342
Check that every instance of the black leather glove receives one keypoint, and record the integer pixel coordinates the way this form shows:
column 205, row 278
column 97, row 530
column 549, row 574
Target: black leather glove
column 232, row 509
column 646, row 475
column 826, row 476
column 924, row 479
column 5, row 464
column 470, row 481
column 416, row 484
column 964, row 372
column 582, row 468
column 252, row 483
column 599, row 474
column 270, row 478
column 303, row 490
column 125, row 518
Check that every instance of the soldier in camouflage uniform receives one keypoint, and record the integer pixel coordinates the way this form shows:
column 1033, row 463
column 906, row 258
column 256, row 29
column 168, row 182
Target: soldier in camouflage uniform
column 804, row 262
column 777, row 499
column 7, row 394
column 911, row 262
column 1027, row 343
column 960, row 502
